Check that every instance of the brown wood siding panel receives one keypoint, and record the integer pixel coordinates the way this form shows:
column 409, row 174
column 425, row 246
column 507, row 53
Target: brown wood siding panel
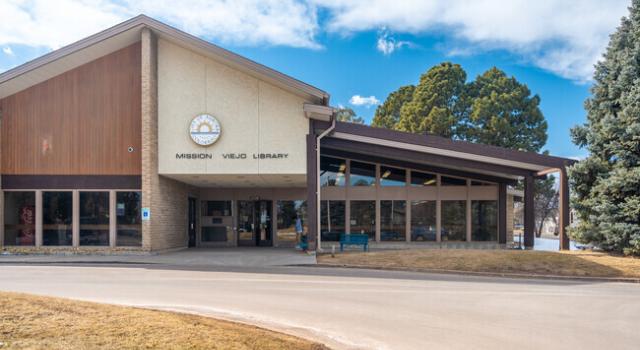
column 89, row 116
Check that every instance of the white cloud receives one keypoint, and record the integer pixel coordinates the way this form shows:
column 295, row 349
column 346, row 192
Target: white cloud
column 579, row 157
column 244, row 22
column 358, row 100
column 7, row 51
column 53, row 24
column 387, row 44
column 565, row 37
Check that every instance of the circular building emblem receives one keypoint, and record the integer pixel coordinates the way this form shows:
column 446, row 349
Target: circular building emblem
column 204, row 129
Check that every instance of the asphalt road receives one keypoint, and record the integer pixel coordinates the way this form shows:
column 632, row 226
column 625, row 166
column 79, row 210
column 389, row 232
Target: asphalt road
column 364, row 309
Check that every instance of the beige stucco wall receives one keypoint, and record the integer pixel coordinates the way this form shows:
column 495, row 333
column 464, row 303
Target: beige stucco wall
column 255, row 117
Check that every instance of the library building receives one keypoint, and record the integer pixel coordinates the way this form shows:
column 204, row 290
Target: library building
column 145, row 138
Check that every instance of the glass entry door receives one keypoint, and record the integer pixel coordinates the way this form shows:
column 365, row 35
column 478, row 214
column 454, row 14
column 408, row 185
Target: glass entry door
column 255, row 223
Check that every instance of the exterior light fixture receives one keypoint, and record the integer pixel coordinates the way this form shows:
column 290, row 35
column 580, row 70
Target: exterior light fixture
column 430, row 182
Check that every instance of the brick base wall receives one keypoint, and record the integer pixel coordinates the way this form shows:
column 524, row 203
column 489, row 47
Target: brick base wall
column 169, row 215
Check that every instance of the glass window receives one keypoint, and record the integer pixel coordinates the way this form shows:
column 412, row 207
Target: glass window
column 289, row 213
column 454, row 222
column 332, row 171
column 423, row 179
column 19, row 218
column 452, row 181
column 363, row 218
column 484, row 220
column 57, row 212
column 214, row 234
column 216, row 208
column 423, row 221
column 94, row 218
column 362, row 174
column 128, row 219
column 481, row 183
column 332, row 220
column 392, row 176
column 392, row 220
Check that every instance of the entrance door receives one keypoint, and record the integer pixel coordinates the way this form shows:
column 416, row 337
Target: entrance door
column 192, row 222
column 255, row 223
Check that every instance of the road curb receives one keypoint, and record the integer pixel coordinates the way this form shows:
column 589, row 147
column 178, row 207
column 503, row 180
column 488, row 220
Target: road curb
column 52, row 262
column 487, row 274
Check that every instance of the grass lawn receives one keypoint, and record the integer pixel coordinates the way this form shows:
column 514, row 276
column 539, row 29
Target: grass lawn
column 33, row 322
column 579, row 263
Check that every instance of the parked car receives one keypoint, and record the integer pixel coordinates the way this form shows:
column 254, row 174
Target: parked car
column 423, row 234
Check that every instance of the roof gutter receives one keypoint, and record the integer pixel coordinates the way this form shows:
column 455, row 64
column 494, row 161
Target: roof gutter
column 318, row 139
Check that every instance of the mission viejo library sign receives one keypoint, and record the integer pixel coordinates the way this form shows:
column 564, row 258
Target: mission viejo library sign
column 205, row 130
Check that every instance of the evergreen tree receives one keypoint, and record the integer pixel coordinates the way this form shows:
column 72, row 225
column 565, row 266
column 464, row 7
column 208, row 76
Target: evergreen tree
column 348, row 115
column 388, row 114
column 494, row 109
column 606, row 185
column 503, row 113
column 432, row 108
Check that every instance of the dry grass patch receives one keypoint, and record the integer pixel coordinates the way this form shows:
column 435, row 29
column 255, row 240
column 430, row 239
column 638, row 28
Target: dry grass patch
column 583, row 264
column 33, row 322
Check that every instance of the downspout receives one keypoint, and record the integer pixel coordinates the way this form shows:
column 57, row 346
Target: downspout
column 318, row 218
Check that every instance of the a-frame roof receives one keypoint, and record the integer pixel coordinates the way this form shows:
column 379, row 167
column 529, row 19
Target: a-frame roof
column 127, row 33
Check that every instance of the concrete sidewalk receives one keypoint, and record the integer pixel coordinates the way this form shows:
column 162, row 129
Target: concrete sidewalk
column 242, row 257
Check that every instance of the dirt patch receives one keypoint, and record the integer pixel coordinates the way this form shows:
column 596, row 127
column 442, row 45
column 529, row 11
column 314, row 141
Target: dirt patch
column 33, row 322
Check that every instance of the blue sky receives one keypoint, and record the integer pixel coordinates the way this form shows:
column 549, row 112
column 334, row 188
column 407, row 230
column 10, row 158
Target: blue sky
column 360, row 51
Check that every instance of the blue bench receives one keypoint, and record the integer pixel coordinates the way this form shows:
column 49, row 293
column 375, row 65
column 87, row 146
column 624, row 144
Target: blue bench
column 354, row 239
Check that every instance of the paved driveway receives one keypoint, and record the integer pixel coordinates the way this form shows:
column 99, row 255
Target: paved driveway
column 362, row 308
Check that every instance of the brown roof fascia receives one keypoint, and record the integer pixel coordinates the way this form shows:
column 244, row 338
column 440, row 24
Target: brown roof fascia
column 453, row 145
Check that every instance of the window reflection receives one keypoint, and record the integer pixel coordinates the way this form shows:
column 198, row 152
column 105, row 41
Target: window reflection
column 128, row 219
column 423, row 179
column 423, row 221
column 392, row 176
column 362, row 174
column 332, row 171
column 332, row 220
column 452, row 181
column 363, row 218
column 392, row 220
column 484, row 220
column 19, row 218
column 454, row 222
column 214, row 234
column 482, row 183
column 94, row 218
column 289, row 212
column 216, row 208
column 217, row 222
column 57, row 214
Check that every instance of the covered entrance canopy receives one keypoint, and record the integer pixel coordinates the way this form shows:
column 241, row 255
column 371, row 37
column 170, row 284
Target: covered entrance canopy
column 446, row 157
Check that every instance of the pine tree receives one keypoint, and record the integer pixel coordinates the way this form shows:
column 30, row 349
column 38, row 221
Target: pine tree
column 494, row 109
column 502, row 112
column 388, row 114
column 432, row 108
column 606, row 185
column 348, row 115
